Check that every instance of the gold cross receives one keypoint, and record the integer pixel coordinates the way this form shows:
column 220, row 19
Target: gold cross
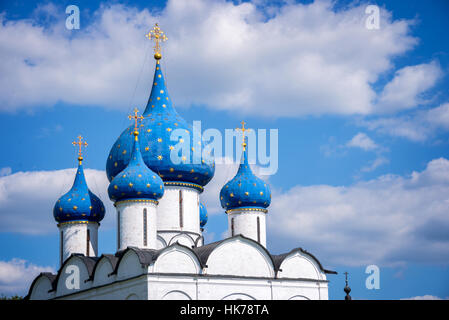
column 80, row 143
column 158, row 36
column 243, row 129
column 136, row 118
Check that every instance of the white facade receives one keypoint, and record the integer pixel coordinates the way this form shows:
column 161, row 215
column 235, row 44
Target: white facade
column 136, row 224
column 249, row 223
column 234, row 268
column 78, row 237
column 178, row 217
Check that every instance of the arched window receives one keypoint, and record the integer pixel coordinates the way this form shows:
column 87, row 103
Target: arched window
column 61, row 244
column 232, row 227
column 258, row 229
column 88, row 242
column 145, row 227
column 181, row 222
column 118, row 230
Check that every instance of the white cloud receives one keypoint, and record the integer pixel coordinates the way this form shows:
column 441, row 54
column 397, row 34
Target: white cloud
column 438, row 117
column 5, row 171
column 17, row 275
column 417, row 126
column 386, row 221
column 405, row 90
column 27, row 198
column 48, row 131
column 301, row 58
column 373, row 165
column 361, row 140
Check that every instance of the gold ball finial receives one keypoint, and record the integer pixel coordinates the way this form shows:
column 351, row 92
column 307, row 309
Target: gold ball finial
column 157, row 56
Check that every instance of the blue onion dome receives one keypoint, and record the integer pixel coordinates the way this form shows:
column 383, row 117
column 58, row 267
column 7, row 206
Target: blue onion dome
column 160, row 121
column 245, row 190
column 203, row 215
column 136, row 180
column 79, row 204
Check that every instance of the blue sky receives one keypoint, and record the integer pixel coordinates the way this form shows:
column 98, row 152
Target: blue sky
column 363, row 120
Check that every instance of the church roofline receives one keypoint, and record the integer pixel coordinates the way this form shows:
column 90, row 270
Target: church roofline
column 281, row 257
column 89, row 262
column 50, row 276
column 146, row 256
column 205, row 251
column 149, row 256
column 113, row 260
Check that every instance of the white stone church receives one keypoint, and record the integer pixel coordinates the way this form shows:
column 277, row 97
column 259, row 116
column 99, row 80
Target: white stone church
column 161, row 252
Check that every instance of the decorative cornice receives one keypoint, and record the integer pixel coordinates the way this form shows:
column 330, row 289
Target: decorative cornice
column 76, row 222
column 137, row 200
column 247, row 209
column 184, row 184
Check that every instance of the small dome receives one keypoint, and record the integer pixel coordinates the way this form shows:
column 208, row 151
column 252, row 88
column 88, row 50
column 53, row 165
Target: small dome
column 161, row 120
column 79, row 204
column 136, row 180
column 245, row 190
column 203, row 215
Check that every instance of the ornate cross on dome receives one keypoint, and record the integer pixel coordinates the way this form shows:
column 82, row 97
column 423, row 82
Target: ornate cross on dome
column 80, row 143
column 136, row 118
column 243, row 129
column 158, row 36
column 347, row 289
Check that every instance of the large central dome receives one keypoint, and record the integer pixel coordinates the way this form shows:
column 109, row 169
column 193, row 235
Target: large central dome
column 160, row 120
